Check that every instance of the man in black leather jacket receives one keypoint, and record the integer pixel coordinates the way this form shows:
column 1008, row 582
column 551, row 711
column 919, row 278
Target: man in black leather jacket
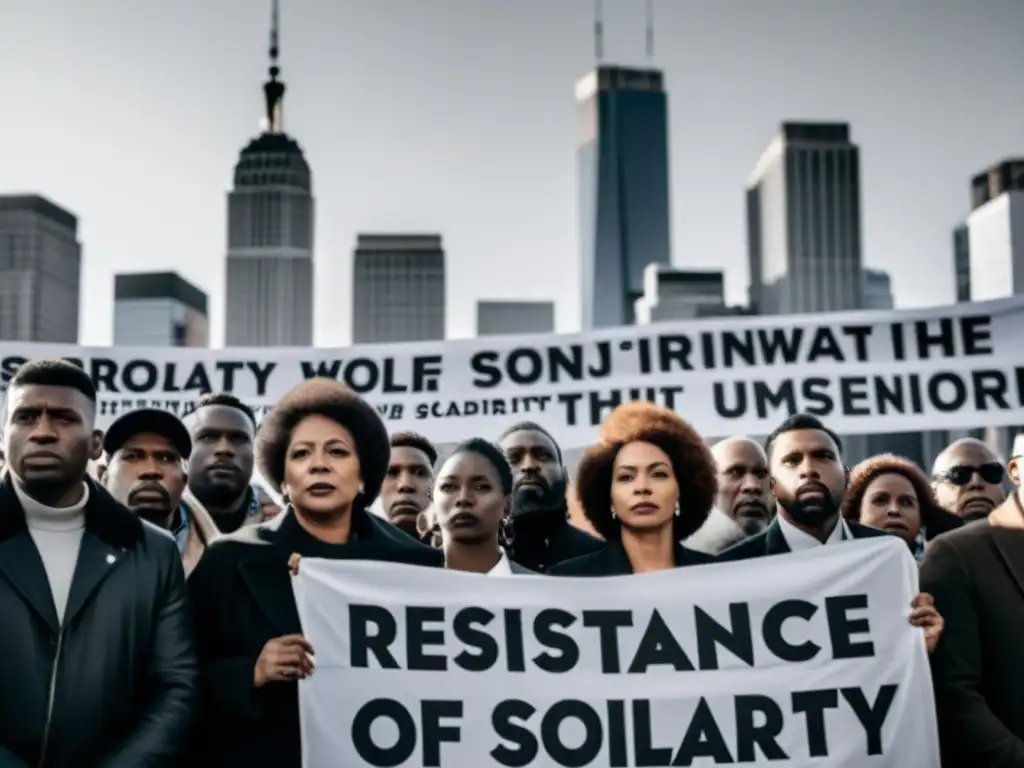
column 97, row 657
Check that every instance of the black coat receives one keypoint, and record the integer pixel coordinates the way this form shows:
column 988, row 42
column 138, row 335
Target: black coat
column 241, row 595
column 771, row 541
column 123, row 662
column 540, row 547
column 612, row 560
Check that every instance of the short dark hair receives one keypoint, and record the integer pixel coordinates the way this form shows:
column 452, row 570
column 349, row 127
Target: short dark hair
column 417, row 441
column 493, row 454
column 331, row 399
column 532, row 426
column 800, row 421
column 692, row 464
column 55, row 372
column 228, row 400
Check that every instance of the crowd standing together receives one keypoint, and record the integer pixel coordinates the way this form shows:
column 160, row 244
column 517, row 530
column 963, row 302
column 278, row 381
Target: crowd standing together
column 149, row 618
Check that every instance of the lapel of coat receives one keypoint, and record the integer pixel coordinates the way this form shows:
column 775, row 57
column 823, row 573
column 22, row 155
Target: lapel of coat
column 20, row 562
column 111, row 532
column 266, row 577
column 775, row 540
column 1007, row 523
column 616, row 560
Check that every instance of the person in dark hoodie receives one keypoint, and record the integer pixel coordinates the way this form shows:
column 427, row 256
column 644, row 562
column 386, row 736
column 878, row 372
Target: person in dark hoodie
column 542, row 535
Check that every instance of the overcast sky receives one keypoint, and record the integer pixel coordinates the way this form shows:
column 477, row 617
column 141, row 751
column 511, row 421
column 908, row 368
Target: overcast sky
column 457, row 116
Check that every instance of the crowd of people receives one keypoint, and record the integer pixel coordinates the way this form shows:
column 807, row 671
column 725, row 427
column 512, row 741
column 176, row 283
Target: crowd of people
column 145, row 580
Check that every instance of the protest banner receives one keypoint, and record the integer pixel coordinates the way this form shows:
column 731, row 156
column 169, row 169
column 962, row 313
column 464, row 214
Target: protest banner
column 812, row 663
column 865, row 372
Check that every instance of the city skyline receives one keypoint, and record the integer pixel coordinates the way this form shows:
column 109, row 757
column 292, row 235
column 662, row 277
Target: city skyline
column 393, row 159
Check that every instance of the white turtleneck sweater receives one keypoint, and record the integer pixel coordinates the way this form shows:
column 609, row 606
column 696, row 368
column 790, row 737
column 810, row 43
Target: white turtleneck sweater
column 57, row 533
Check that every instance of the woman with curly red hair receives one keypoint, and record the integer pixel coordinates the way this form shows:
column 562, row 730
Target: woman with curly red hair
column 647, row 484
column 891, row 493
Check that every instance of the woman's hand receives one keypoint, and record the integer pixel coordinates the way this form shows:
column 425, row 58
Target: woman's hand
column 282, row 660
column 924, row 614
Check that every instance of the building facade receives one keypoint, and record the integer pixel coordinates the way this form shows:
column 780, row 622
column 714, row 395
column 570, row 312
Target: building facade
column 398, row 291
column 270, row 272
column 40, row 270
column 878, row 290
column 159, row 309
column 995, row 231
column 680, row 294
column 498, row 318
column 623, row 166
column 962, row 262
column 804, row 222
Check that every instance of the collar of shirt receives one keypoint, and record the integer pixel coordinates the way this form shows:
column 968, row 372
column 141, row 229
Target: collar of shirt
column 798, row 540
column 501, row 568
column 180, row 526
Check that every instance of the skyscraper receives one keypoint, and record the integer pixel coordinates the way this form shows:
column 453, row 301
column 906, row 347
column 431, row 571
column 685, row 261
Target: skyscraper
column 398, row 289
column 159, row 309
column 623, row 188
column 877, row 290
column 681, row 294
column 270, row 233
column 996, row 232
column 40, row 270
column 498, row 318
column 962, row 262
column 803, row 220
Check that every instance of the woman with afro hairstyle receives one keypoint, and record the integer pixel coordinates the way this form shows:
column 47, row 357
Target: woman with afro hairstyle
column 647, row 484
column 892, row 494
column 326, row 451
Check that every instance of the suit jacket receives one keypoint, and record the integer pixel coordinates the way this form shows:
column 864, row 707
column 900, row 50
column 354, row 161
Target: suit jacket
column 976, row 575
column 772, row 541
column 241, row 595
column 612, row 560
column 117, row 679
column 539, row 543
column 519, row 570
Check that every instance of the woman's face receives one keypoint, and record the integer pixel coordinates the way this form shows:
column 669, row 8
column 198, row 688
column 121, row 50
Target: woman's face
column 890, row 503
column 321, row 468
column 644, row 487
column 469, row 504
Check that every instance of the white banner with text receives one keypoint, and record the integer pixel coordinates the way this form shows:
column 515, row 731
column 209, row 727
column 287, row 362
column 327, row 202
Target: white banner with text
column 863, row 372
column 812, row 663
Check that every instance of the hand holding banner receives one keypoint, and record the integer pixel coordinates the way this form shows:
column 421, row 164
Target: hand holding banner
column 813, row 663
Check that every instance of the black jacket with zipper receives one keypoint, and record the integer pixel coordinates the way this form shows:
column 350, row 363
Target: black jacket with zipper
column 113, row 686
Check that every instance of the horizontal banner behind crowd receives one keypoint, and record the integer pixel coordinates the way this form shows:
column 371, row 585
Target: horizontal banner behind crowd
column 866, row 372
column 811, row 664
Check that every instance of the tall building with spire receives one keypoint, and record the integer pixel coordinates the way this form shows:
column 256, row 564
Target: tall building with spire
column 623, row 183
column 270, row 231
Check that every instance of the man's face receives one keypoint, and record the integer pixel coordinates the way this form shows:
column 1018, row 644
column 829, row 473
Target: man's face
column 48, row 438
column 968, row 480
column 538, row 474
column 147, row 475
column 807, row 475
column 220, row 468
column 405, row 492
column 744, row 489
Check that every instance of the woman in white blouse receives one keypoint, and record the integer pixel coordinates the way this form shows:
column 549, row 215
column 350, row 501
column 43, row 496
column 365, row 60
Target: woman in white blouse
column 472, row 498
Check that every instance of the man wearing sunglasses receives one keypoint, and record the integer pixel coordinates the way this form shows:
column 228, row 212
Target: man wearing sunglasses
column 968, row 479
column 976, row 574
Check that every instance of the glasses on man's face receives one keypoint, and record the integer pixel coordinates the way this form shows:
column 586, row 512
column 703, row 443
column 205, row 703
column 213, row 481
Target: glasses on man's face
column 961, row 474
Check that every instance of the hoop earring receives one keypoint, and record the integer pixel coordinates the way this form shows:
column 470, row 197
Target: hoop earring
column 506, row 534
column 614, row 516
column 678, row 511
